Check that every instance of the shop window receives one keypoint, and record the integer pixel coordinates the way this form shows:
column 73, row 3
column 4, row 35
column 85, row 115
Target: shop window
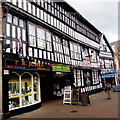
column 26, row 89
column 36, row 90
column 75, row 78
column 82, row 78
column 95, row 77
column 23, row 90
column 87, row 76
column 78, row 78
column 14, row 91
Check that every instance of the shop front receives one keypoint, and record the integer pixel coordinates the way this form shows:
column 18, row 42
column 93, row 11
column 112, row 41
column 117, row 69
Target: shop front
column 23, row 89
column 21, row 84
column 109, row 78
column 63, row 76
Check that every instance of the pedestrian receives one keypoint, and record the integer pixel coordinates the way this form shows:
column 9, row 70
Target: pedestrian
column 107, row 90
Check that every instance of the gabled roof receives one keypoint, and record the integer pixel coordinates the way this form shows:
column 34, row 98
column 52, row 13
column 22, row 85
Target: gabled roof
column 108, row 44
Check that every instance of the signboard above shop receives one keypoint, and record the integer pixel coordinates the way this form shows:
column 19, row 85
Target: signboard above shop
column 23, row 64
column 60, row 68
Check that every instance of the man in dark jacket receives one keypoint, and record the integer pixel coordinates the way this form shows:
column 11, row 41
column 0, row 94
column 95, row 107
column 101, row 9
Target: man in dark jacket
column 107, row 90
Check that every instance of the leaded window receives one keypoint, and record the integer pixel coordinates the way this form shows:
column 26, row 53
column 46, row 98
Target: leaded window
column 75, row 51
column 32, row 36
column 48, row 41
column 78, row 78
column 41, row 38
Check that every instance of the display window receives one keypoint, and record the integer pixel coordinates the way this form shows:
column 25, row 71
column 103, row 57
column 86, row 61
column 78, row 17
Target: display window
column 24, row 90
column 14, row 93
column 78, row 78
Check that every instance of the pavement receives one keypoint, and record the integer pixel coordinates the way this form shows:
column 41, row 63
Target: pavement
column 100, row 108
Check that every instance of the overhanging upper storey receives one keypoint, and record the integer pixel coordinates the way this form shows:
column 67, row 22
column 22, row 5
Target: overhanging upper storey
column 60, row 17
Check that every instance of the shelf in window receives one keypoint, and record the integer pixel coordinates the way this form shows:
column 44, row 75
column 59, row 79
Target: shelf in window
column 12, row 97
column 26, row 95
column 29, row 94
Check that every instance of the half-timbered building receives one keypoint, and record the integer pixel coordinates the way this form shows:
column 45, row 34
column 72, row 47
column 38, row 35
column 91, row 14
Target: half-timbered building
column 46, row 46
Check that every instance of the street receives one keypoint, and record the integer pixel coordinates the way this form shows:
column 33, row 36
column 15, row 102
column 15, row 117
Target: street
column 100, row 108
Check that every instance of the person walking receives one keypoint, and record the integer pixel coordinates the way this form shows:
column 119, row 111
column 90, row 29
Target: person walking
column 107, row 90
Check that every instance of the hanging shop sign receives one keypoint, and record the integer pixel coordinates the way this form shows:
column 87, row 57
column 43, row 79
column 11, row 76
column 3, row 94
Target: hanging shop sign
column 26, row 64
column 60, row 67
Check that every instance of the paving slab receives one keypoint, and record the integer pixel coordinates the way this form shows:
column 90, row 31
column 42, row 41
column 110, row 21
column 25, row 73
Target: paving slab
column 100, row 108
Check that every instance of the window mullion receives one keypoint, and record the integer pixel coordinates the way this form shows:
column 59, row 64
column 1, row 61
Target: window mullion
column 32, row 89
column 20, row 90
